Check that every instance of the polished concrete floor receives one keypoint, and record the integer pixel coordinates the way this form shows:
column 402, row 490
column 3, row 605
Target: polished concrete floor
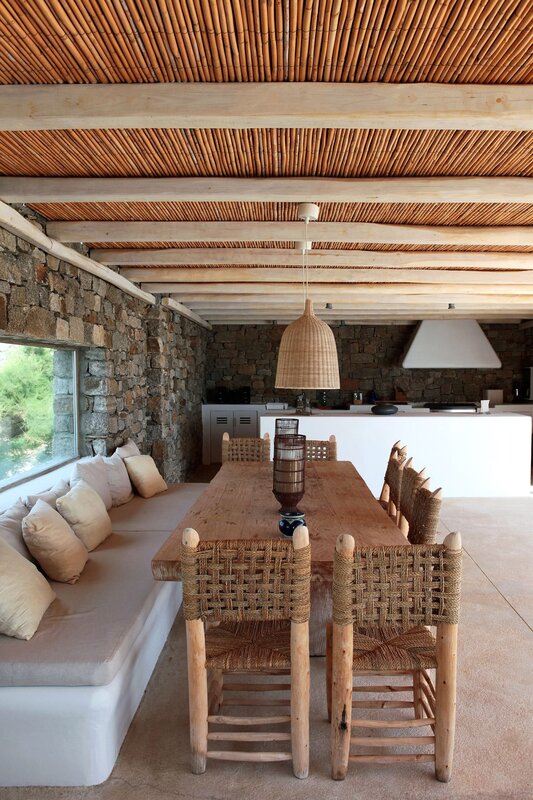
column 494, row 742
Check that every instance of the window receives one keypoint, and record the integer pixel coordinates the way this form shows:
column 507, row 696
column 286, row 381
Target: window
column 38, row 410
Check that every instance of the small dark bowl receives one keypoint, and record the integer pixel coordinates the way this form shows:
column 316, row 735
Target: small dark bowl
column 383, row 409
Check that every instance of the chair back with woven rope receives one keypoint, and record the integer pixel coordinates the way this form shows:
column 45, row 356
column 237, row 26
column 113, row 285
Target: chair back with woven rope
column 246, row 580
column 259, row 594
column 321, row 450
column 245, row 449
column 425, row 516
column 397, row 585
column 411, row 483
column 384, row 600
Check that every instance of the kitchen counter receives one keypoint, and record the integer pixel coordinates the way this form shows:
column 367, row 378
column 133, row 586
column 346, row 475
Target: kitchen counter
column 468, row 455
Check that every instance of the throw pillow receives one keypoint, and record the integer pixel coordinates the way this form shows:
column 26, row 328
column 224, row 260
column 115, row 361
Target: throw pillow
column 128, row 449
column 25, row 594
column 50, row 496
column 118, row 480
column 11, row 528
column 53, row 543
column 85, row 512
column 92, row 471
column 145, row 476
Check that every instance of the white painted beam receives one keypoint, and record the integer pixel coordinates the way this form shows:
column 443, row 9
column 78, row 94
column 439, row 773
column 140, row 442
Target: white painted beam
column 15, row 223
column 246, row 275
column 422, row 106
column 183, row 311
column 263, row 190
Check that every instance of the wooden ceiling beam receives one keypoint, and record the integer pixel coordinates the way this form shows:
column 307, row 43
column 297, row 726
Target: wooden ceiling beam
column 411, row 106
column 263, row 190
column 355, row 232
column 376, row 300
column 246, row 275
column 294, row 290
column 264, row 257
column 184, row 311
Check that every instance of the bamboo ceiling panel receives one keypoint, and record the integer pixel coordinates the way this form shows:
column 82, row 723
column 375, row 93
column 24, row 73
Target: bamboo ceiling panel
column 263, row 152
column 394, row 213
column 124, row 41
column 336, row 246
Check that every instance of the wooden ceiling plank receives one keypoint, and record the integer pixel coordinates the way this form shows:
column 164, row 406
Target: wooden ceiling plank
column 245, row 275
column 412, row 106
column 292, row 190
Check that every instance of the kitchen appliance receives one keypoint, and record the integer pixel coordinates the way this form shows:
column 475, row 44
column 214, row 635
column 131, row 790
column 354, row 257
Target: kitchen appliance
column 450, row 408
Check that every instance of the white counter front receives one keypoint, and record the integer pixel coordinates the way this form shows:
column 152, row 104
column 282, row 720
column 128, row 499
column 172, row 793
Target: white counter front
column 468, row 455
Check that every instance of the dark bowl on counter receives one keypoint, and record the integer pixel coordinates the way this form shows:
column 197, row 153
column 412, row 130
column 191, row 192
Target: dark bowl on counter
column 384, row 409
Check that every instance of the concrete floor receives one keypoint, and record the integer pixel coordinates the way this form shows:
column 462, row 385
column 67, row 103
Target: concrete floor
column 494, row 741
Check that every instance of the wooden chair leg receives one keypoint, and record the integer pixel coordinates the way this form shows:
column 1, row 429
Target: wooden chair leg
column 300, row 687
column 329, row 660
column 216, row 685
column 198, row 695
column 445, row 687
column 341, row 700
column 417, row 692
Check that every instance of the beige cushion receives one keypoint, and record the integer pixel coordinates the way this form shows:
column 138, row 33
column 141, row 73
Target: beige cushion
column 145, row 476
column 50, row 496
column 25, row 594
column 118, row 480
column 53, row 543
column 86, row 514
column 128, row 449
column 11, row 528
column 92, row 471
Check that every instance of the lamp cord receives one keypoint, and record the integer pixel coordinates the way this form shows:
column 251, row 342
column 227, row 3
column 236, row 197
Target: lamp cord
column 306, row 264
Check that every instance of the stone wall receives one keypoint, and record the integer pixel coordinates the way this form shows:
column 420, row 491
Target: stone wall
column 369, row 358
column 142, row 368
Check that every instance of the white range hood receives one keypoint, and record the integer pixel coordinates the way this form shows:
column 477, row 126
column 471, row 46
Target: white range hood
column 454, row 343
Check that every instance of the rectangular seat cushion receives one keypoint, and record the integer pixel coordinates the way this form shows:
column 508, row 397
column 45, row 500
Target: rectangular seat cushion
column 86, row 633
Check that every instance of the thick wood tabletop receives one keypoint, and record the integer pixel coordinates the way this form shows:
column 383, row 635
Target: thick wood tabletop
column 238, row 503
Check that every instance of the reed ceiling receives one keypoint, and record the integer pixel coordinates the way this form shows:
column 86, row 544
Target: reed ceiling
column 233, row 41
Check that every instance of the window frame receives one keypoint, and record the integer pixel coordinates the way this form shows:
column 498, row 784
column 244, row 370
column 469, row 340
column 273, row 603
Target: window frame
column 37, row 472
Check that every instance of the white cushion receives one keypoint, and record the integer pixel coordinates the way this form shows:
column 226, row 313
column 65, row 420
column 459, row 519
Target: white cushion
column 145, row 476
column 128, row 449
column 53, row 543
column 85, row 512
column 50, row 496
column 92, row 471
column 25, row 594
column 118, row 480
column 11, row 528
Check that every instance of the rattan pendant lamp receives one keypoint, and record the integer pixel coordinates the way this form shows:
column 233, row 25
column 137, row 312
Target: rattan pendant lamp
column 307, row 357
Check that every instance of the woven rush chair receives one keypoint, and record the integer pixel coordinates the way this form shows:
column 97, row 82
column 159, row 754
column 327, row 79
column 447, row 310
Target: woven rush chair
column 393, row 480
column 412, row 481
column 245, row 449
column 400, row 452
column 383, row 599
column 257, row 595
column 425, row 516
column 321, row 450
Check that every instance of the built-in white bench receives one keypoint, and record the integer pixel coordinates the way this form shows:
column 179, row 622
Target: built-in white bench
column 68, row 695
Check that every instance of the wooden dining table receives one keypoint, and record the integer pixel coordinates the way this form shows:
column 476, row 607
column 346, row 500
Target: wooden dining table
column 238, row 503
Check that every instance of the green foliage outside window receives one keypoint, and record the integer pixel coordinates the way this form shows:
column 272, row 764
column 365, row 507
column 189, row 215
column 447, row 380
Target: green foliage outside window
column 26, row 407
